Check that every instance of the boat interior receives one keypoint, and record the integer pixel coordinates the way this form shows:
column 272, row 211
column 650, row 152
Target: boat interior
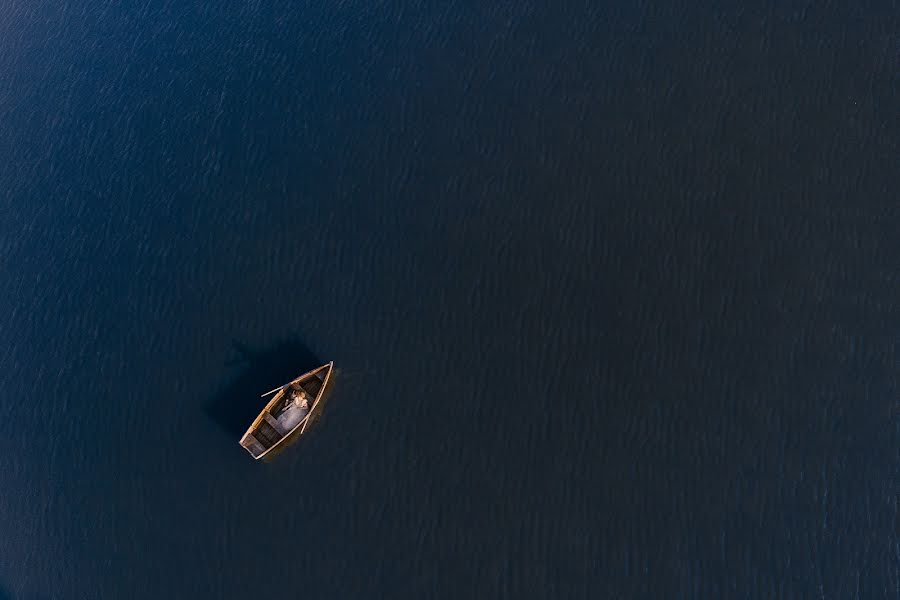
column 285, row 413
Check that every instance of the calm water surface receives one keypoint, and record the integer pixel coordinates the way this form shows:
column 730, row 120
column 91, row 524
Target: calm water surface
column 611, row 288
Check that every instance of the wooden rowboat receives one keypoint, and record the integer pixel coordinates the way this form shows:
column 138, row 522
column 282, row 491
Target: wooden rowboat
column 287, row 412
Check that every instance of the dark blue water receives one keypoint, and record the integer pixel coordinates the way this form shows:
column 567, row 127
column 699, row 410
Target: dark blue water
column 611, row 288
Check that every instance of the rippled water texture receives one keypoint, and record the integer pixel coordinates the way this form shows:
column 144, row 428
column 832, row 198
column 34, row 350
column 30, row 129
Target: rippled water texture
column 611, row 290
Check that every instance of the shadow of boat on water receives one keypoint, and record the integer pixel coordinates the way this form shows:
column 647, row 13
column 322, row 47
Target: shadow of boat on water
column 237, row 404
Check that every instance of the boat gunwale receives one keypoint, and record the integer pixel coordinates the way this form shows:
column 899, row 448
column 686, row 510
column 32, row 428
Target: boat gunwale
column 274, row 401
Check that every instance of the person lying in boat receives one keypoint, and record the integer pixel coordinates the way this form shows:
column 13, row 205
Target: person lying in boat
column 300, row 398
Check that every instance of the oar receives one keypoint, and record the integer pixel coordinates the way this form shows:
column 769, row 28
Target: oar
column 272, row 391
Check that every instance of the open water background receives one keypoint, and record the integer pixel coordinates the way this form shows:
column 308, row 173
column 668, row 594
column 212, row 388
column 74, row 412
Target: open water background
column 611, row 288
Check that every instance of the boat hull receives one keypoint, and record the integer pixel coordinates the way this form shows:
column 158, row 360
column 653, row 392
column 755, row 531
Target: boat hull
column 288, row 413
